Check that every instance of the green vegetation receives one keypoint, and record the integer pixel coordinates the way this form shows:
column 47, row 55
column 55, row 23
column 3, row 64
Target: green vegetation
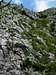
column 34, row 36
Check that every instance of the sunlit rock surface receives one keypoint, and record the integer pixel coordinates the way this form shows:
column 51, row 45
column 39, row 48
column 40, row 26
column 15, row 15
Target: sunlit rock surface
column 27, row 41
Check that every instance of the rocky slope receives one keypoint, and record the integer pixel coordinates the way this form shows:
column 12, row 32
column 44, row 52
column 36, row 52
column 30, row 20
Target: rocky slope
column 27, row 41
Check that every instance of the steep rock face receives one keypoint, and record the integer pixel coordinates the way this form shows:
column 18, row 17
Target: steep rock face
column 27, row 41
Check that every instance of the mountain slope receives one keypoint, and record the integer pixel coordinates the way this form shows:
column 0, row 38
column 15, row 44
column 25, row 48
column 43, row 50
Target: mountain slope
column 27, row 41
